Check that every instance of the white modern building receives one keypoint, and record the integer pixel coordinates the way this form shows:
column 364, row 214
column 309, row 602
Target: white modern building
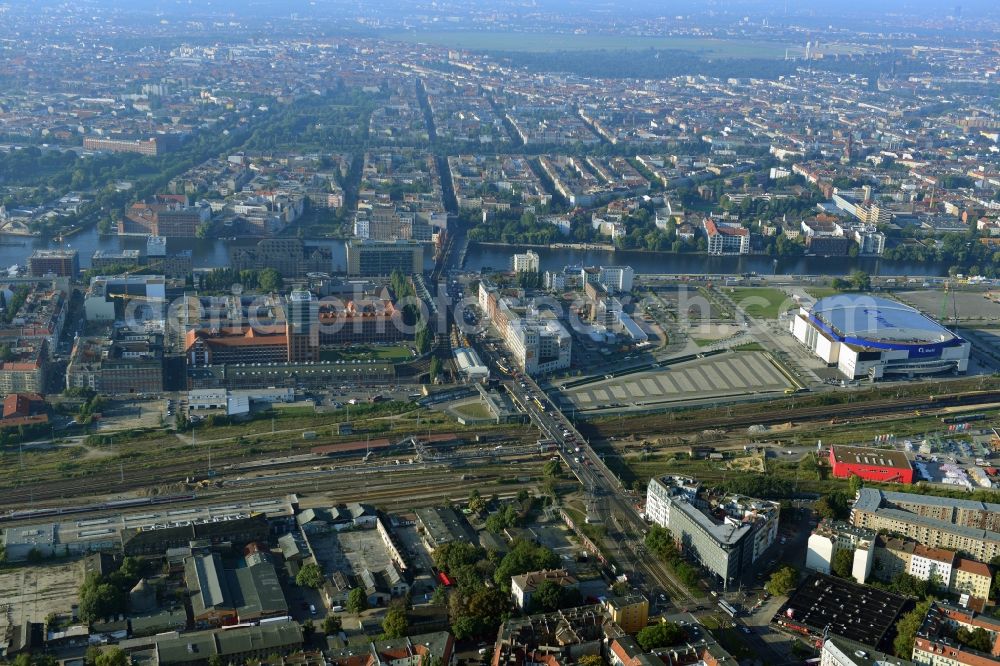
column 831, row 537
column 526, row 262
column 538, row 341
column 726, row 238
column 616, row 278
column 470, row 366
column 138, row 296
column 870, row 336
column 724, row 533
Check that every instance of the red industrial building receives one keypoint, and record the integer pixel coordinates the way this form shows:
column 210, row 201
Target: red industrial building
column 882, row 465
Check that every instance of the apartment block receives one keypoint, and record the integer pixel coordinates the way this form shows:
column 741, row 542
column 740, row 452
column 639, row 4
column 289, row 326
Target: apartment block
column 831, row 537
column 966, row 526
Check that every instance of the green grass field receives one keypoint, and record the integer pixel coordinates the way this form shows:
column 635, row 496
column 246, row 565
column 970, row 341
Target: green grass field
column 762, row 302
column 473, row 410
column 547, row 42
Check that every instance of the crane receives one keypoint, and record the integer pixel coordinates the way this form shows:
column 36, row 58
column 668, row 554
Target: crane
column 944, row 305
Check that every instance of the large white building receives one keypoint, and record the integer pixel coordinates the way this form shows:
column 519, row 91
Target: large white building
column 829, row 538
column 538, row 343
column 145, row 293
column 616, row 278
column 869, row 336
column 526, row 263
column 724, row 238
column 726, row 534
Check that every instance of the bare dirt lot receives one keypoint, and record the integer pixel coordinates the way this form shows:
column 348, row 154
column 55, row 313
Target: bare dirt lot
column 32, row 593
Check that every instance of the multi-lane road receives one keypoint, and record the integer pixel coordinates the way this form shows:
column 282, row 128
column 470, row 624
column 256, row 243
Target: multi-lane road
column 610, row 502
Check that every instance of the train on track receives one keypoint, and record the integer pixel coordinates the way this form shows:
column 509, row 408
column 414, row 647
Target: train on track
column 111, row 505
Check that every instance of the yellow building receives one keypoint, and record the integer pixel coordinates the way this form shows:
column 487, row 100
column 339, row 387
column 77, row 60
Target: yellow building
column 631, row 613
column 972, row 578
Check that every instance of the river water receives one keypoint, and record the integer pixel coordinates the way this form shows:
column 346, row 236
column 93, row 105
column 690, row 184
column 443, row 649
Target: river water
column 205, row 253
column 499, row 257
column 213, row 253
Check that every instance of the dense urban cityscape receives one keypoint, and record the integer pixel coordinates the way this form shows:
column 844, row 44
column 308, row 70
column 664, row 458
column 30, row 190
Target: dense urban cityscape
column 529, row 333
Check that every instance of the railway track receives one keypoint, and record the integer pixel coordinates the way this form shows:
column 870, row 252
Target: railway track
column 768, row 415
column 103, row 485
column 402, row 491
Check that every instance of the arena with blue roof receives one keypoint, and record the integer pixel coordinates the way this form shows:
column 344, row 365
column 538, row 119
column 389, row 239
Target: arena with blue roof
column 871, row 336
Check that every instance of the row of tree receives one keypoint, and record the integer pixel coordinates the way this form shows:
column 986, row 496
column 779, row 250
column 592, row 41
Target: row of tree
column 661, row 543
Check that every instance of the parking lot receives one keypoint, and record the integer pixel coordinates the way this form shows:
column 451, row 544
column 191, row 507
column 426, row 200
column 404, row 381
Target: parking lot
column 737, row 373
column 971, row 306
column 125, row 414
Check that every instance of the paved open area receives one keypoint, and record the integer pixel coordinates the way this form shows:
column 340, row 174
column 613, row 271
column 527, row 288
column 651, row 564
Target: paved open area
column 354, row 550
column 125, row 414
column 737, row 373
column 971, row 306
column 32, row 593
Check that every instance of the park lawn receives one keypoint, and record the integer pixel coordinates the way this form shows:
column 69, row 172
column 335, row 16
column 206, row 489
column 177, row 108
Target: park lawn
column 761, row 302
column 473, row 410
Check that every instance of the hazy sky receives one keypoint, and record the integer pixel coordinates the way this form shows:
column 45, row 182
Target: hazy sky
column 838, row 7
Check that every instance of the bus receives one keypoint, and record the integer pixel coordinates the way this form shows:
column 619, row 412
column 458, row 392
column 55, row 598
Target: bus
column 727, row 608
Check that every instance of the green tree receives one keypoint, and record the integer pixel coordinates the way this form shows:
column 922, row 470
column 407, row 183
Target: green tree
column 660, row 635
column 552, row 468
column 547, row 597
column 91, row 655
column 524, row 556
column 332, row 624
column 216, row 660
column 114, row 656
column 476, row 502
column 856, row 483
column 270, row 280
column 782, row 581
column 310, row 575
column 842, row 563
column 860, row 281
column 590, row 660
column 906, row 630
column 477, row 610
column 357, row 601
column 977, row 639
column 435, row 368
column 395, row 624
column 439, row 595
column 423, row 340
column 834, row 506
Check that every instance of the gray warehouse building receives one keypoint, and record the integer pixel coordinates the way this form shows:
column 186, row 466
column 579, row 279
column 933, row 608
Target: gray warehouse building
column 726, row 534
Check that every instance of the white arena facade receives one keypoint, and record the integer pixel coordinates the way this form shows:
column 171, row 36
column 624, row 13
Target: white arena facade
column 868, row 336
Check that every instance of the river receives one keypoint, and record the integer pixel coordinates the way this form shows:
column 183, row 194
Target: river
column 497, row 256
column 213, row 253
column 205, row 252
